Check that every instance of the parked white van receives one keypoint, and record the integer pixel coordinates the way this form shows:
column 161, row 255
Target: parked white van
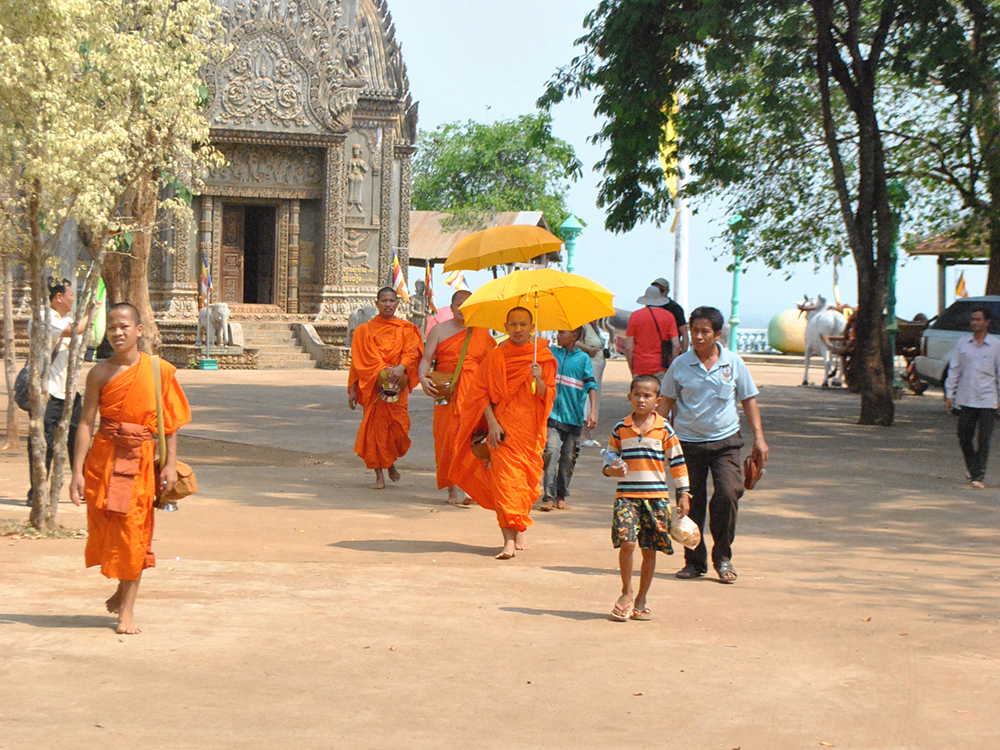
column 939, row 340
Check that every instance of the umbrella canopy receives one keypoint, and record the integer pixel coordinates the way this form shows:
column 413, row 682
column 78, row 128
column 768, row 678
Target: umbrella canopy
column 514, row 243
column 557, row 300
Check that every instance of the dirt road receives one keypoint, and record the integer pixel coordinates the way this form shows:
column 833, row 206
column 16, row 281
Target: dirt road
column 293, row 607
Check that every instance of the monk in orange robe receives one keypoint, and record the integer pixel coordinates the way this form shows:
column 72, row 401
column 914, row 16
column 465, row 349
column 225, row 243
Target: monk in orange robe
column 117, row 477
column 441, row 353
column 383, row 343
column 511, row 398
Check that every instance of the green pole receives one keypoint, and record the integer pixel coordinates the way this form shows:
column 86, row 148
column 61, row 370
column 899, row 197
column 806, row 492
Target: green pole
column 734, row 318
column 570, row 229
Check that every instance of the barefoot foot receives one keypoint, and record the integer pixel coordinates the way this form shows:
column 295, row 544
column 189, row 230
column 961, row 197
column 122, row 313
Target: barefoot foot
column 506, row 553
column 379, row 480
column 114, row 603
column 521, row 541
column 127, row 627
column 394, row 473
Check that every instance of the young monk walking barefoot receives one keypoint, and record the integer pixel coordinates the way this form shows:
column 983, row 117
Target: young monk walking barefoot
column 116, row 476
column 501, row 399
column 452, row 351
column 383, row 343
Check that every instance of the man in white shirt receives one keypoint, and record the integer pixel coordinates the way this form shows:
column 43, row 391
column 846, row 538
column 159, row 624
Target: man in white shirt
column 61, row 299
column 973, row 385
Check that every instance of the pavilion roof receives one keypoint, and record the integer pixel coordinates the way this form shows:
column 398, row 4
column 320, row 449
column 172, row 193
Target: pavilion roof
column 431, row 243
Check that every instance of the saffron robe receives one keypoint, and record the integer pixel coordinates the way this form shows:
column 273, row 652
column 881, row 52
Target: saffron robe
column 384, row 432
column 121, row 543
column 510, row 485
column 446, row 415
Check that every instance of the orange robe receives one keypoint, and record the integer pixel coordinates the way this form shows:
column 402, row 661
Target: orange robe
column 510, row 484
column 121, row 543
column 446, row 415
column 384, row 432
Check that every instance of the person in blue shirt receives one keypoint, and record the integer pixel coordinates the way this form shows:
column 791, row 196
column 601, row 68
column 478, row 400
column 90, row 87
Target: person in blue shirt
column 575, row 383
column 706, row 383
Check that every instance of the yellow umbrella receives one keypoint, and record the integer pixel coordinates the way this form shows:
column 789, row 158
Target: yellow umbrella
column 557, row 300
column 513, row 243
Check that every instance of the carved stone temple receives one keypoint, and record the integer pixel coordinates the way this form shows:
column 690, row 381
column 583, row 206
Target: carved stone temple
column 313, row 113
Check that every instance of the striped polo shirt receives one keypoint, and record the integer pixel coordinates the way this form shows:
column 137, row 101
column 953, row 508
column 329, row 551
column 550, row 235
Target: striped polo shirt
column 646, row 456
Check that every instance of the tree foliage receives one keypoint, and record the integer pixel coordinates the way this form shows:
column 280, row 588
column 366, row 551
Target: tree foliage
column 99, row 97
column 474, row 170
column 783, row 106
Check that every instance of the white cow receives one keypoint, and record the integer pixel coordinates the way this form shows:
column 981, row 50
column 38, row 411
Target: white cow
column 823, row 323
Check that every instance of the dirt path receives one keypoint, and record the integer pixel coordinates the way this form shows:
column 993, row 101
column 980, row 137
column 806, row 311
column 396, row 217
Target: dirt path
column 293, row 607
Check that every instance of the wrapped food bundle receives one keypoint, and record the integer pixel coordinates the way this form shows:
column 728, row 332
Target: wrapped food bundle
column 685, row 531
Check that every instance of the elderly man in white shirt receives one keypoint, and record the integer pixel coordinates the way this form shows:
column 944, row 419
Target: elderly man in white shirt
column 973, row 385
column 61, row 299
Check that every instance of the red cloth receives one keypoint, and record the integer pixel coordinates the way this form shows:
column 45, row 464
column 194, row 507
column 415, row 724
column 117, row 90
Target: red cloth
column 510, row 485
column 121, row 543
column 127, row 439
column 646, row 357
column 384, row 432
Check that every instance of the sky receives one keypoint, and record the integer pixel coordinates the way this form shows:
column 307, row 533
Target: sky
column 491, row 61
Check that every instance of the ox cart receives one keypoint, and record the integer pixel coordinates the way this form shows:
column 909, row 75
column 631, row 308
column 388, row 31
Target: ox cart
column 908, row 336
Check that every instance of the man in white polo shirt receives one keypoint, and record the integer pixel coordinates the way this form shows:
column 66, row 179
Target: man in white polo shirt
column 706, row 382
column 61, row 298
column 973, row 384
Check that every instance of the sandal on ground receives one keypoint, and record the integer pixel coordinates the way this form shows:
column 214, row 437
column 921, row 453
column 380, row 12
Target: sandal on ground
column 642, row 614
column 620, row 614
column 689, row 572
column 726, row 572
column 548, row 505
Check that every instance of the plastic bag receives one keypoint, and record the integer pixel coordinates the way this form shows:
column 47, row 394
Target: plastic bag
column 685, row 531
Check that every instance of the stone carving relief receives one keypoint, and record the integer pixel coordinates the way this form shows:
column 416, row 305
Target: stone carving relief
column 252, row 168
column 262, row 86
column 358, row 261
column 357, row 169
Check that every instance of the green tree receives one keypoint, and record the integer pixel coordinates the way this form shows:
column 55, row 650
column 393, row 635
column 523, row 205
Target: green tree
column 780, row 115
column 98, row 96
column 474, row 170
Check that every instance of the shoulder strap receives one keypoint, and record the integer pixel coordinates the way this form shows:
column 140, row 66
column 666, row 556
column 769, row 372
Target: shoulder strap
column 658, row 331
column 461, row 358
column 161, row 438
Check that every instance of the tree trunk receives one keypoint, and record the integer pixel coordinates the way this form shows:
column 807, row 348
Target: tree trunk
column 9, row 365
column 126, row 275
column 986, row 116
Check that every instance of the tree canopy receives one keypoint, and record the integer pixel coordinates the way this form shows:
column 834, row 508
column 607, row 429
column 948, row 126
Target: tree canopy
column 473, row 169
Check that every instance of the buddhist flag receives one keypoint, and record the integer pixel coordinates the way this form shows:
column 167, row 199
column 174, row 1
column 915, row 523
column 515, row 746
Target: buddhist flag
column 396, row 280
column 960, row 290
column 431, row 307
column 206, row 279
column 668, row 148
column 456, row 280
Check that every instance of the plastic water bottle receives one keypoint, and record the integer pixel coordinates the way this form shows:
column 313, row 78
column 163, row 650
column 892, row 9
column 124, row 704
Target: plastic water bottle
column 612, row 459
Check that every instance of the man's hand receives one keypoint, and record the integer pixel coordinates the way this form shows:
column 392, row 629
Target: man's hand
column 76, row 488
column 590, row 422
column 396, row 376
column 760, row 451
column 683, row 504
column 429, row 388
column 495, row 436
column 168, row 479
column 617, row 470
column 948, row 404
column 352, row 397
column 536, row 372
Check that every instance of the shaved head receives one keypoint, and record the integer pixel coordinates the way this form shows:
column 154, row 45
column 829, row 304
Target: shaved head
column 131, row 309
column 525, row 310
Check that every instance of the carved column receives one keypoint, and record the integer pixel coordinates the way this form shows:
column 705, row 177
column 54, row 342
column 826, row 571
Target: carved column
column 385, row 209
column 293, row 258
column 205, row 236
column 331, row 306
column 405, row 154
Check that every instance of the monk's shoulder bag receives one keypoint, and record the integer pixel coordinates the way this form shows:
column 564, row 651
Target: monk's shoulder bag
column 187, row 482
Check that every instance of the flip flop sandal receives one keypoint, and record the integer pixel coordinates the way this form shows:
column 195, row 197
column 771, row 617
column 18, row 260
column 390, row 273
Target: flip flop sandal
column 726, row 572
column 620, row 614
column 547, row 505
column 642, row 614
column 689, row 572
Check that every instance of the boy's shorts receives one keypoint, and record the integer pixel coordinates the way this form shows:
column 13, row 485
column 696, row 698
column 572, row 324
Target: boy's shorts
column 642, row 520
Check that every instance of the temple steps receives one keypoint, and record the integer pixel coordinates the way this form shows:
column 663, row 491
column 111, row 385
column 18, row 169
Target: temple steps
column 279, row 348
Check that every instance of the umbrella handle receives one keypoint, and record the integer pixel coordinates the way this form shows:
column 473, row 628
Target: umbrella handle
column 534, row 358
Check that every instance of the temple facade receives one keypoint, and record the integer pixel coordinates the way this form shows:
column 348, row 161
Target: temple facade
column 313, row 114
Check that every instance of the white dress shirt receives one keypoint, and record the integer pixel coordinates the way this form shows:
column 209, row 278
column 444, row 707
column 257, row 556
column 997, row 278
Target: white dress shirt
column 974, row 373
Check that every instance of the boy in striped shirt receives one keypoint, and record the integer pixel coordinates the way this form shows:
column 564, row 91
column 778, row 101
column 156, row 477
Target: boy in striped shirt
column 644, row 443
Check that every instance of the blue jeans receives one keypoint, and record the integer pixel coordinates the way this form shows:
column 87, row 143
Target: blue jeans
column 559, row 462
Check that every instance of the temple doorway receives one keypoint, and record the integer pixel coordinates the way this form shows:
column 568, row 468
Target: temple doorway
column 249, row 254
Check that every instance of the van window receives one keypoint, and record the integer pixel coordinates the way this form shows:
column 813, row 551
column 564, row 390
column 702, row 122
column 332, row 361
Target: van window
column 956, row 316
